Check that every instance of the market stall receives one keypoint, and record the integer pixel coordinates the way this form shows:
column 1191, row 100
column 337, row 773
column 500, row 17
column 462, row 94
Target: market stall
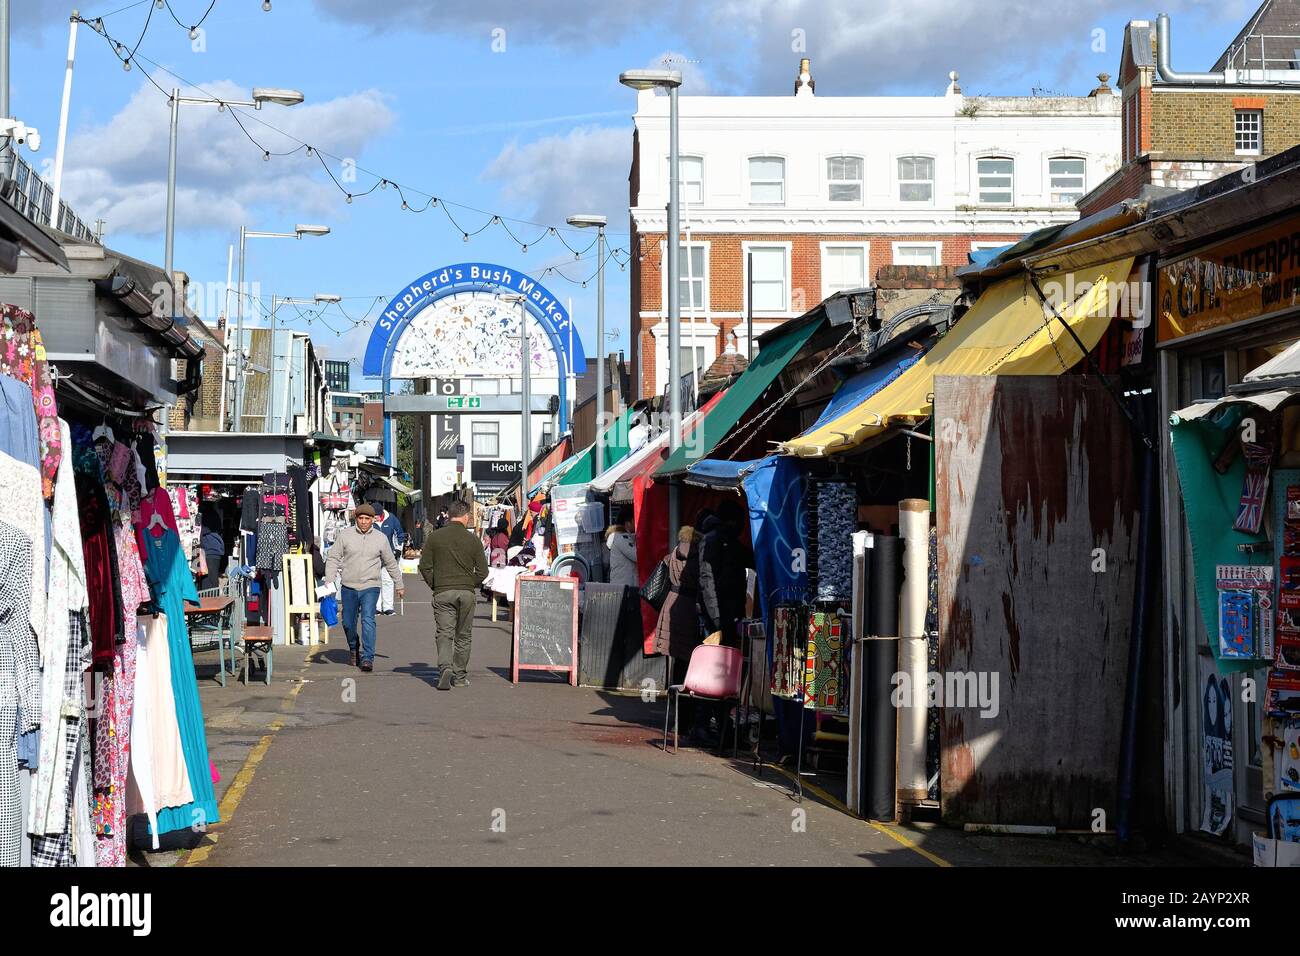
column 103, row 604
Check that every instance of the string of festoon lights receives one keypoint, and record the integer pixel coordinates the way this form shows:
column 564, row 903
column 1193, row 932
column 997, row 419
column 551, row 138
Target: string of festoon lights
column 311, row 315
column 407, row 194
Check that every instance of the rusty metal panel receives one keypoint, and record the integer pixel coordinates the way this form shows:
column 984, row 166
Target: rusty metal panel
column 1036, row 510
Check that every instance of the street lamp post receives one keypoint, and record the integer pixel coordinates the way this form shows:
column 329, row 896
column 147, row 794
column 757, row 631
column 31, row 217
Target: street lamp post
column 276, row 301
column 671, row 80
column 244, row 235
column 586, row 222
column 260, row 95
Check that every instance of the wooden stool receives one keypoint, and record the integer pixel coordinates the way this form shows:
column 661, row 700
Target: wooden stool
column 257, row 637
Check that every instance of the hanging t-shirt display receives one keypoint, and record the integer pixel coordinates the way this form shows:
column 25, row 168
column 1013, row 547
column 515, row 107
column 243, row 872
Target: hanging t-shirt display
column 824, row 668
column 789, row 644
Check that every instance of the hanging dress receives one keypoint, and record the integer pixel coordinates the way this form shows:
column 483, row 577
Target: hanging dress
column 19, row 678
column 172, row 585
column 66, row 657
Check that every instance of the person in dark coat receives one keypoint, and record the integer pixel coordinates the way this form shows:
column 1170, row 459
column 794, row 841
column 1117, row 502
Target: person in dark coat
column 723, row 560
column 678, row 631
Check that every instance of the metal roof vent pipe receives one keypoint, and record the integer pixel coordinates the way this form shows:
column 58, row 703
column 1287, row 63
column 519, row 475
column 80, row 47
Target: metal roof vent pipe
column 1167, row 72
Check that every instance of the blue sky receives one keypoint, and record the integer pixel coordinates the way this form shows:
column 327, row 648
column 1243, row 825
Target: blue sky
column 512, row 108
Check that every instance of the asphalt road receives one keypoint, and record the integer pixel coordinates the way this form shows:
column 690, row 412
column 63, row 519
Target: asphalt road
column 328, row 766
column 389, row 770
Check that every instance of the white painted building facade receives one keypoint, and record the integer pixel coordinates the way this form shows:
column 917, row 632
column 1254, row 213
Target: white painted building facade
column 825, row 190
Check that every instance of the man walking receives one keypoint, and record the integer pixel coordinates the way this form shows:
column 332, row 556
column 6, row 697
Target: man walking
column 454, row 566
column 361, row 553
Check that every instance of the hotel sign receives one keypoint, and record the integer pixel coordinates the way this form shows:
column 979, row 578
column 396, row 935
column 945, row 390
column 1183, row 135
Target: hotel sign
column 1256, row 273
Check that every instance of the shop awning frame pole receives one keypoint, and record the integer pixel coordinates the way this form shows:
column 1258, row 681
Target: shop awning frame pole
column 1136, row 653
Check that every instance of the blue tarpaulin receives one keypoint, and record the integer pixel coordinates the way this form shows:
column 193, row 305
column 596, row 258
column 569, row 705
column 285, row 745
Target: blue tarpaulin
column 982, row 257
column 858, row 388
column 778, row 521
column 717, row 473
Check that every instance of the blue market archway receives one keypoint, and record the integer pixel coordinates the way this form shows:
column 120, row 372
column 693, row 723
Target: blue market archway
column 455, row 280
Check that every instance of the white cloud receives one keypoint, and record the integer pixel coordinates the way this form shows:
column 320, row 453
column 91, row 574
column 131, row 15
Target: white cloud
column 29, row 18
column 753, row 47
column 118, row 171
column 582, row 171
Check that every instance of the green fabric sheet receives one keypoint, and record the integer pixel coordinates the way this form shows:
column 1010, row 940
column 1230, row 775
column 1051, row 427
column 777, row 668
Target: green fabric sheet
column 772, row 358
column 616, row 449
column 1210, row 503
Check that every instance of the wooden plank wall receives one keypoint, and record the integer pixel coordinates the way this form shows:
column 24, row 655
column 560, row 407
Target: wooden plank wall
column 1033, row 474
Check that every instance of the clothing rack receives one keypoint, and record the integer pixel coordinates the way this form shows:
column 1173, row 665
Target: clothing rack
column 100, row 405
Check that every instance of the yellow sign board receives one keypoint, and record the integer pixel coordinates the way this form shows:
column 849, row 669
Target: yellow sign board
column 1254, row 274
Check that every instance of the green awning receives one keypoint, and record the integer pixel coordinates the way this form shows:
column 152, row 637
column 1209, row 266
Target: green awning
column 616, row 449
column 774, row 356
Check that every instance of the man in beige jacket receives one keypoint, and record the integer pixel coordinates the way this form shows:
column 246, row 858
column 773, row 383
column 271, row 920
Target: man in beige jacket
column 359, row 554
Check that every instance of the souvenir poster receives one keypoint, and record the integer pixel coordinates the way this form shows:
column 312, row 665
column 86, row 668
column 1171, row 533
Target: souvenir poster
column 1284, row 819
column 1245, row 610
column 1282, row 698
column 1254, row 489
column 1217, row 797
column 1287, row 759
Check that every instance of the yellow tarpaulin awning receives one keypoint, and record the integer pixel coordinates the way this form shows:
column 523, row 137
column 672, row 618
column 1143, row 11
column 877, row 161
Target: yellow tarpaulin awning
column 1006, row 332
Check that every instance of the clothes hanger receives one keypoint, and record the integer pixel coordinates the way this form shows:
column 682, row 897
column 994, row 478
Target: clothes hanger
column 155, row 519
column 103, row 431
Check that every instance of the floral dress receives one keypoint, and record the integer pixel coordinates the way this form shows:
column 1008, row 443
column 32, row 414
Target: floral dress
column 22, row 356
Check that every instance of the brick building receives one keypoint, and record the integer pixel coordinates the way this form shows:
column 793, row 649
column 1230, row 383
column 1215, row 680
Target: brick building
column 1184, row 129
column 820, row 193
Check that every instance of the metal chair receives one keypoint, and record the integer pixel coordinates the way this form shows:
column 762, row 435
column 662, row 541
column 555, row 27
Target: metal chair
column 214, row 630
column 714, row 673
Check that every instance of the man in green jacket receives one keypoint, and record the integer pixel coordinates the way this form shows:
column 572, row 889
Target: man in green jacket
column 454, row 566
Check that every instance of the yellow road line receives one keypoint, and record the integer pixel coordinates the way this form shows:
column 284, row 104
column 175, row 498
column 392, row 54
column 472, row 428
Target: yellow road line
column 891, row 832
column 235, row 792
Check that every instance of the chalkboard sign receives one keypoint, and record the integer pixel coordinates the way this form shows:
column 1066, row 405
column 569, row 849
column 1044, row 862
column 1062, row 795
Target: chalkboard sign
column 546, row 626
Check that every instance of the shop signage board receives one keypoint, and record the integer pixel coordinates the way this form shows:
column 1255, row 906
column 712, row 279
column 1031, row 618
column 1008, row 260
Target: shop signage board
column 448, row 425
column 566, row 512
column 1254, row 274
column 493, row 472
column 546, row 626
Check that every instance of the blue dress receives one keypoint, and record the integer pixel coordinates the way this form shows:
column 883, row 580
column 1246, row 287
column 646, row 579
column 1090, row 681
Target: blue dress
column 172, row 585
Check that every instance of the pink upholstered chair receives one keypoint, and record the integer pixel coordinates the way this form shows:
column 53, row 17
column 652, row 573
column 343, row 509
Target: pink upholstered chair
column 714, row 673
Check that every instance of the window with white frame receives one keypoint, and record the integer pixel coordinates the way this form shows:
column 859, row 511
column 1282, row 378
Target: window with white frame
column 485, row 439
column 995, row 175
column 770, row 280
column 485, row 386
column 916, row 254
column 766, row 179
column 691, row 177
column 691, row 359
column 915, row 178
column 692, row 278
column 1066, row 179
column 843, row 267
column 1249, row 128
column 844, row 179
